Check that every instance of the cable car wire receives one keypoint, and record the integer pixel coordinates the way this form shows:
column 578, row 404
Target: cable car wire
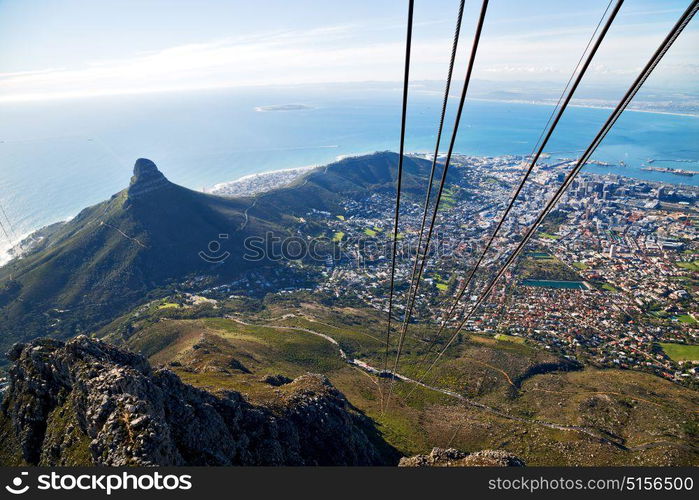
column 415, row 277
column 399, row 178
column 462, row 100
column 609, row 123
column 541, row 145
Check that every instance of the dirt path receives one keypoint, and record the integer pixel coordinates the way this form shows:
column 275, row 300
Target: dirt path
column 469, row 402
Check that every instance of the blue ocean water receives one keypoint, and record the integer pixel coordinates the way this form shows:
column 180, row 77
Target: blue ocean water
column 60, row 156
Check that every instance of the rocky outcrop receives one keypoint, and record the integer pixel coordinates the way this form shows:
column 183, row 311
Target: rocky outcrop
column 146, row 178
column 86, row 402
column 451, row 457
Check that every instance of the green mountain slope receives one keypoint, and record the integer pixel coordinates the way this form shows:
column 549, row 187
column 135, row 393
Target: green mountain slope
column 325, row 187
column 521, row 397
column 114, row 255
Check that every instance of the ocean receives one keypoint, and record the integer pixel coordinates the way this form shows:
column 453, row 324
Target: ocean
column 58, row 157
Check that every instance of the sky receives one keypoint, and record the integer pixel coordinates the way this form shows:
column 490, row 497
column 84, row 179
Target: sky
column 59, row 49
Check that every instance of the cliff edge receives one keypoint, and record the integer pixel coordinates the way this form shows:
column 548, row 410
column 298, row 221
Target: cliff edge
column 85, row 402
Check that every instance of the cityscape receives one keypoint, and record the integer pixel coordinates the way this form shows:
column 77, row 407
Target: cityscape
column 610, row 279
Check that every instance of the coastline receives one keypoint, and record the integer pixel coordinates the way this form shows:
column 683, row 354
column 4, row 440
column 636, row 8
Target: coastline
column 26, row 240
column 584, row 106
column 255, row 183
column 29, row 98
column 6, row 250
column 252, row 184
column 249, row 184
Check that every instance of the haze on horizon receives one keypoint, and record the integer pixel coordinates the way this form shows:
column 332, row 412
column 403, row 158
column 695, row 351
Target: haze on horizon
column 81, row 48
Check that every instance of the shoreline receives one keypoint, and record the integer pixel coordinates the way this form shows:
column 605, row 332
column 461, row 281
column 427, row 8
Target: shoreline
column 254, row 183
column 28, row 98
column 246, row 183
column 283, row 176
column 585, row 106
column 259, row 174
column 6, row 250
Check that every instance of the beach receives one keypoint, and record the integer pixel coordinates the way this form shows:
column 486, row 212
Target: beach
column 252, row 184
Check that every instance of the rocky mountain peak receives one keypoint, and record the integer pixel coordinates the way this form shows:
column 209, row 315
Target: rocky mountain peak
column 144, row 168
column 146, row 178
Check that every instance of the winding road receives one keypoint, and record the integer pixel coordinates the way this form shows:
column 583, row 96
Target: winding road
column 467, row 401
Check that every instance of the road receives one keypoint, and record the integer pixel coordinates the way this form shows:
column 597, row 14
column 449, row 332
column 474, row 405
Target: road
column 467, row 401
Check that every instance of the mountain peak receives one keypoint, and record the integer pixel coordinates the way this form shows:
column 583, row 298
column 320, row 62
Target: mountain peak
column 144, row 166
column 146, row 178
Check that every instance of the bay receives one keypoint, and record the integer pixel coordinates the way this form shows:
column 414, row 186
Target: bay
column 58, row 157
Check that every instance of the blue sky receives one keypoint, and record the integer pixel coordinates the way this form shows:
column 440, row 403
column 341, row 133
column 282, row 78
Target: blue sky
column 74, row 48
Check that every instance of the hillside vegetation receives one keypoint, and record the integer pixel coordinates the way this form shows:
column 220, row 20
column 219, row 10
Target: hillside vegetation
column 513, row 395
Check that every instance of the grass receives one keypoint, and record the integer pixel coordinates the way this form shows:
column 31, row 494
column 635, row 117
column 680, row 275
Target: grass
column 610, row 288
column 448, row 201
column 370, row 232
column 341, row 217
column 581, row 266
column 76, row 444
column 509, row 338
column 299, row 349
column 549, row 236
column 545, row 269
column 686, row 318
column 168, row 305
column 338, row 236
column 681, row 352
column 689, row 266
column 441, row 283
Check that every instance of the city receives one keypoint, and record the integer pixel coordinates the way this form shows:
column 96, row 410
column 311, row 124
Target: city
column 610, row 278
